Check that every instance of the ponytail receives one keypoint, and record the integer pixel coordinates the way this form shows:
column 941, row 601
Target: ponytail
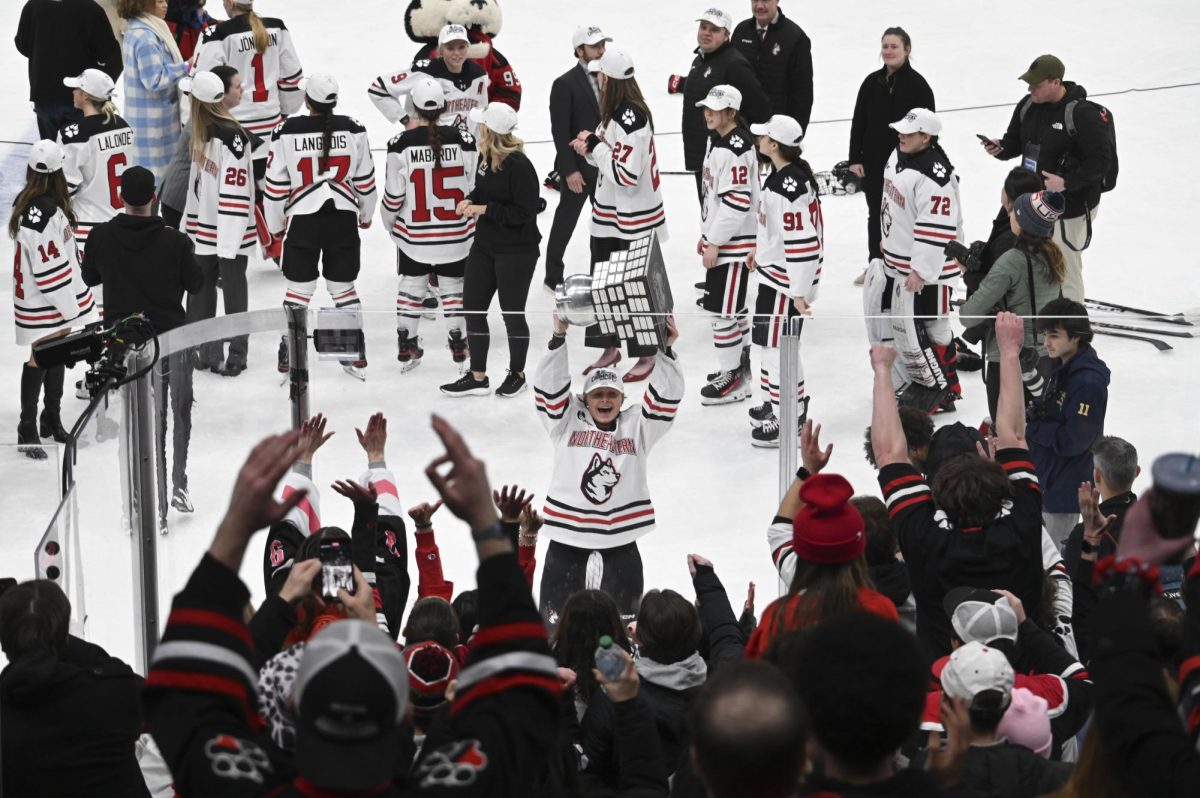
column 206, row 118
column 1048, row 251
column 792, row 154
column 261, row 39
column 430, row 118
column 325, row 110
column 41, row 184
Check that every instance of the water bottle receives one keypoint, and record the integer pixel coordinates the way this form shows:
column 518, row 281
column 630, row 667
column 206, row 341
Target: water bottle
column 609, row 659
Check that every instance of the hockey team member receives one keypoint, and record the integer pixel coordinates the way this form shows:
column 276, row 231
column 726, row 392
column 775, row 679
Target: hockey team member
column 598, row 503
column 729, row 198
column 49, row 295
column 219, row 216
column 464, row 82
column 96, row 150
column 921, row 212
column 320, row 185
column 627, row 204
column 430, row 169
column 788, row 256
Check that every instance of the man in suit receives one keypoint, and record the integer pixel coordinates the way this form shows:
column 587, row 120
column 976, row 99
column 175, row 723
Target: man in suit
column 574, row 106
column 781, row 54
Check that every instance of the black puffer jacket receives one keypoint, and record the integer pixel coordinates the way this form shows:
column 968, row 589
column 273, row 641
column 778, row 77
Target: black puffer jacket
column 883, row 99
column 727, row 66
column 783, row 63
column 1082, row 160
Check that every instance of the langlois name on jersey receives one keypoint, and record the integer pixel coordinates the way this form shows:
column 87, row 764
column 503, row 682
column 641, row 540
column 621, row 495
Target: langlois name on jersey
column 315, row 143
column 598, row 439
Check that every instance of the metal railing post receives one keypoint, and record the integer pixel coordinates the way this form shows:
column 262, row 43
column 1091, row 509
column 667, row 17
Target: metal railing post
column 144, row 503
column 297, row 343
column 789, row 418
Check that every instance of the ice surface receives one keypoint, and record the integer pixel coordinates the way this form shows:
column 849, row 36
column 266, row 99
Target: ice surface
column 715, row 494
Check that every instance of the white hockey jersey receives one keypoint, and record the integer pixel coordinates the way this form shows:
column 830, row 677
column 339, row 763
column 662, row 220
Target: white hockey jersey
column 598, row 496
column 729, row 187
column 96, row 154
column 419, row 198
column 271, row 78
column 920, row 213
column 48, row 289
column 219, row 212
column 466, row 90
column 300, row 181
column 627, row 203
column 790, row 234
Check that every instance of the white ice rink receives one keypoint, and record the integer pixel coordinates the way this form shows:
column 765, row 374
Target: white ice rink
column 715, row 494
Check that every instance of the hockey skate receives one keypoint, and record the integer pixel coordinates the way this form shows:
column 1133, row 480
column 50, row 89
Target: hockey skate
column 728, row 387
column 641, row 370
column 282, row 364
column 946, row 405
column 356, row 369
column 924, row 397
column 410, row 352
column 766, row 435
column 458, row 349
column 610, row 357
column 758, row 415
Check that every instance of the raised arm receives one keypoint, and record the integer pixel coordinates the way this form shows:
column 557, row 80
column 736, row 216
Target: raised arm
column 887, row 434
column 1010, row 413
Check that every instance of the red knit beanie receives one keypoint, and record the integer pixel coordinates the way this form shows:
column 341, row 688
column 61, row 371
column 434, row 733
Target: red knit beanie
column 827, row 529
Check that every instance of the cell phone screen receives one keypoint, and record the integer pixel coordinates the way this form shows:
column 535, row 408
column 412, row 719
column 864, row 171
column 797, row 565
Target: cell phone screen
column 337, row 572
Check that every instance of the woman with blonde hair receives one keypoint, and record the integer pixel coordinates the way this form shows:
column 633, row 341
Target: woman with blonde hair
column 504, row 203
column 153, row 69
column 49, row 295
column 218, row 215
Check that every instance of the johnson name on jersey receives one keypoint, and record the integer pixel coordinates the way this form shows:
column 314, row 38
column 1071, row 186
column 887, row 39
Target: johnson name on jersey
column 96, row 154
column 464, row 91
column 598, row 496
column 627, row 203
column 920, row 214
column 218, row 215
column 730, row 195
column 791, row 234
column 300, row 180
column 48, row 290
column 271, row 78
column 420, row 198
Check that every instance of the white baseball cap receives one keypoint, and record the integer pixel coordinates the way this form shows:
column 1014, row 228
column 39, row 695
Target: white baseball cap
column 206, row 87
column 980, row 615
column 614, row 63
column 453, row 33
column 918, row 120
column 46, row 157
column 781, row 128
column 717, row 17
column 603, row 378
column 93, row 82
column 588, row 34
column 973, row 669
column 497, row 117
column 321, row 89
column 428, row 94
column 722, row 97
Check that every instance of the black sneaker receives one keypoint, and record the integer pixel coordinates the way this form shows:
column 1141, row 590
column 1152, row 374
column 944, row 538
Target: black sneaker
column 968, row 358
column 409, row 351
column 282, row 363
column 760, row 414
column 513, row 384
column 767, row 435
column 702, row 286
column 458, row 346
column 729, row 386
column 181, row 501
column 467, row 385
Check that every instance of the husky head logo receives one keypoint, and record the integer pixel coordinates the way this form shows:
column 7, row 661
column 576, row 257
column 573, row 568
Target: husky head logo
column 599, row 480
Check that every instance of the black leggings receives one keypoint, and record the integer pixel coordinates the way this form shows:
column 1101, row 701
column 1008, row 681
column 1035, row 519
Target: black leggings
column 509, row 274
column 872, row 187
column 564, row 572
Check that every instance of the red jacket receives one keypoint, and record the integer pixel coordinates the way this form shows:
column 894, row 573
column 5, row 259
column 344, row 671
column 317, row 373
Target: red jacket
column 765, row 634
column 504, row 86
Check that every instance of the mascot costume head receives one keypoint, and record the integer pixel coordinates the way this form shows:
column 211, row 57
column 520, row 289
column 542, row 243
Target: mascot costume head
column 424, row 19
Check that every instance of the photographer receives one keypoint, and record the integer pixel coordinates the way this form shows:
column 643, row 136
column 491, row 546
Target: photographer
column 146, row 267
column 1023, row 279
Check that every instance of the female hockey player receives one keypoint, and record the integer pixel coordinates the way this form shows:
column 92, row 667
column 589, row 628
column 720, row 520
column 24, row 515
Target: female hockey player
column 319, row 190
column 788, row 255
column 96, row 152
column 430, row 170
column 218, row 215
column 598, row 503
column 464, row 82
column 728, row 221
column 49, row 295
column 627, row 204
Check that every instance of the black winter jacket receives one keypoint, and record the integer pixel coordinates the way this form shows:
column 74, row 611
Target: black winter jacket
column 145, row 267
column 883, row 99
column 724, row 638
column 513, row 199
column 61, row 38
column 909, row 783
column 1082, row 160
column 1008, row 770
column 723, row 66
column 783, row 63
column 69, row 723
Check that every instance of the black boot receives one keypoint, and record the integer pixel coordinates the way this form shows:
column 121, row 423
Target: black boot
column 27, row 431
column 51, row 425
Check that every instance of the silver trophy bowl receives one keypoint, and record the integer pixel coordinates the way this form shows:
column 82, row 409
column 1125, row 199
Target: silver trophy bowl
column 573, row 300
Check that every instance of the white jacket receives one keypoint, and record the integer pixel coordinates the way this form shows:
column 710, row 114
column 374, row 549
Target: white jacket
column 730, row 196
column 627, row 203
column 271, row 78
column 920, row 214
column 48, row 289
column 219, row 213
column 97, row 153
column 790, row 234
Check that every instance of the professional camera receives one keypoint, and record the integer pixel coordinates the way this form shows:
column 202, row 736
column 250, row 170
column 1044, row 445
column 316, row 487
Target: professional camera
column 971, row 257
column 103, row 348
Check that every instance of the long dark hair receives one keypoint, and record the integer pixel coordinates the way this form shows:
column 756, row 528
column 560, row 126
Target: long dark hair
column 824, row 590
column 324, row 110
column 618, row 92
column 430, row 118
column 1047, row 250
column 41, row 184
column 587, row 616
column 792, row 154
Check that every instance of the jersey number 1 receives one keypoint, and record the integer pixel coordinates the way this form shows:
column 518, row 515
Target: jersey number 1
column 260, row 85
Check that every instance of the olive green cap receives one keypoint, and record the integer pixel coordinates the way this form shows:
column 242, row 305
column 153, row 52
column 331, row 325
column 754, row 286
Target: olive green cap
column 1044, row 67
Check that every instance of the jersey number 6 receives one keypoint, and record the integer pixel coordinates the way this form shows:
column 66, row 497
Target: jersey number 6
column 115, row 162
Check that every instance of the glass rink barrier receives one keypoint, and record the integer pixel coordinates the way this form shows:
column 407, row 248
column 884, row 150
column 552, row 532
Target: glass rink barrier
column 714, row 491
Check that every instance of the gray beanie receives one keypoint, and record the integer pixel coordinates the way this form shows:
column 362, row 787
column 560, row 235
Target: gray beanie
column 1037, row 213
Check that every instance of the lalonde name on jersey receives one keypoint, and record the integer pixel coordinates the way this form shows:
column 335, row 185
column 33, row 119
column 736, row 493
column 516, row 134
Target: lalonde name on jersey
column 595, row 439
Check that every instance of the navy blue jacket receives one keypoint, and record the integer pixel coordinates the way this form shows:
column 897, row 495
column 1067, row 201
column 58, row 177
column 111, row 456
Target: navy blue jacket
column 1063, row 426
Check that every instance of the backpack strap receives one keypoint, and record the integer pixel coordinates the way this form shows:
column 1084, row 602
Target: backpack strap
column 1069, row 117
